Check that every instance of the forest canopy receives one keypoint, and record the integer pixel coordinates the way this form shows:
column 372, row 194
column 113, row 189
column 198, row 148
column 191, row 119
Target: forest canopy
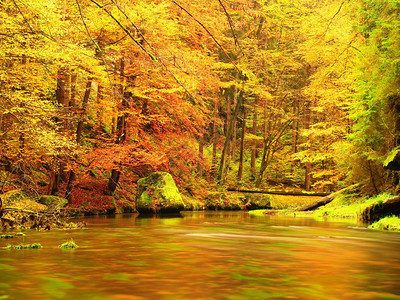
column 290, row 94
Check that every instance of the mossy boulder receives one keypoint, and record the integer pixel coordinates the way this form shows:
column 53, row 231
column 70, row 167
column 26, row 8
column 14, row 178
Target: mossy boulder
column 257, row 201
column 158, row 193
column 53, row 203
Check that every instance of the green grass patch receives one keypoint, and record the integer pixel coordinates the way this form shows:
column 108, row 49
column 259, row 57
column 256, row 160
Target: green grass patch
column 68, row 245
column 257, row 212
column 291, row 202
column 24, row 246
column 349, row 206
column 343, row 207
column 389, row 223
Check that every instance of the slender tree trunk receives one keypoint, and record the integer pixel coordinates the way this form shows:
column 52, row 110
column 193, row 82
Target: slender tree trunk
column 62, row 97
column 84, row 105
column 79, row 127
column 295, row 131
column 254, row 144
column 235, row 99
column 225, row 150
column 120, row 131
column 72, row 101
column 201, row 155
column 308, row 166
column 243, row 134
column 215, row 136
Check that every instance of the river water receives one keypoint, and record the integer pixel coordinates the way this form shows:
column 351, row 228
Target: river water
column 205, row 255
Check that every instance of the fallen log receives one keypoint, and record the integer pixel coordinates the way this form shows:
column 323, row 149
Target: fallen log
column 284, row 193
column 390, row 206
column 327, row 199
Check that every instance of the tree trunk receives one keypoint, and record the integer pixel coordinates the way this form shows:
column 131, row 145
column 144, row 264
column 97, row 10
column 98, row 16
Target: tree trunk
column 243, row 133
column 62, row 97
column 72, row 100
column 54, row 185
column 308, row 166
column 99, row 99
column 215, row 136
column 325, row 200
column 113, row 181
column 377, row 211
column 235, row 100
column 120, row 131
column 201, row 154
column 284, row 193
column 72, row 175
column 254, row 144
column 225, row 150
column 84, row 105
column 270, row 147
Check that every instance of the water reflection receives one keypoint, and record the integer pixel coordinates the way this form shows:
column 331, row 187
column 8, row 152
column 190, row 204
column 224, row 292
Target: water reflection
column 205, row 255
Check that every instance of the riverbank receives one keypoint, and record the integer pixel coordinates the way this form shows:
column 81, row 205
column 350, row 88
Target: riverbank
column 346, row 207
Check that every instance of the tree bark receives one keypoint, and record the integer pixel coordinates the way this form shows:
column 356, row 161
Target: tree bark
column 330, row 198
column 308, row 166
column 278, row 193
column 79, row 127
column 62, row 97
column 84, row 105
column 201, row 154
column 375, row 212
column 233, row 147
column 215, row 136
column 243, row 133
column 225, row 150
column 120, row 131
column 254, row 144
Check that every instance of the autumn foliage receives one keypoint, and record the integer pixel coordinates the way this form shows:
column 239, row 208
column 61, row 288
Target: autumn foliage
column 97, row 94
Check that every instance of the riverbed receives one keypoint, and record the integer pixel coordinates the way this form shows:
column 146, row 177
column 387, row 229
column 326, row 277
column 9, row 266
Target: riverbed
column 205, row 255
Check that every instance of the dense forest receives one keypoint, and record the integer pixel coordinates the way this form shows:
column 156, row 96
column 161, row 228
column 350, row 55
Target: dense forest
column 275, row 94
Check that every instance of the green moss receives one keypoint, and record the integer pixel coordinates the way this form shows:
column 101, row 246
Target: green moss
column 53, row 202
column 20, row 234
column 257, row 201
column 24, row 246
column 7, row 236
column 158, row 192
column 192, row 203
column 388, row 223
column 224, row 201
column 257, row 212
column 392, row 160
column 68, row 245
column 347, row 206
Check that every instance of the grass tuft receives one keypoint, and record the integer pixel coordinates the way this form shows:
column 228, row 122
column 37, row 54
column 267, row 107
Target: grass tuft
column 388, row 223
column 69, row 245
column 24, row 246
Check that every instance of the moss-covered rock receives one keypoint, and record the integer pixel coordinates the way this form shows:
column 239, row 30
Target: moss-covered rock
column 258, row 201
column 53, row 203
column 158, row 193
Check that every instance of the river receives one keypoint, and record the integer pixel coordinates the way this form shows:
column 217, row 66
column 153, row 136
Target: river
column 205, row 255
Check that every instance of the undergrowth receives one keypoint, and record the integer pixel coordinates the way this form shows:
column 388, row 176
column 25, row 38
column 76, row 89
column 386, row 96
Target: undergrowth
column 391, row 223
